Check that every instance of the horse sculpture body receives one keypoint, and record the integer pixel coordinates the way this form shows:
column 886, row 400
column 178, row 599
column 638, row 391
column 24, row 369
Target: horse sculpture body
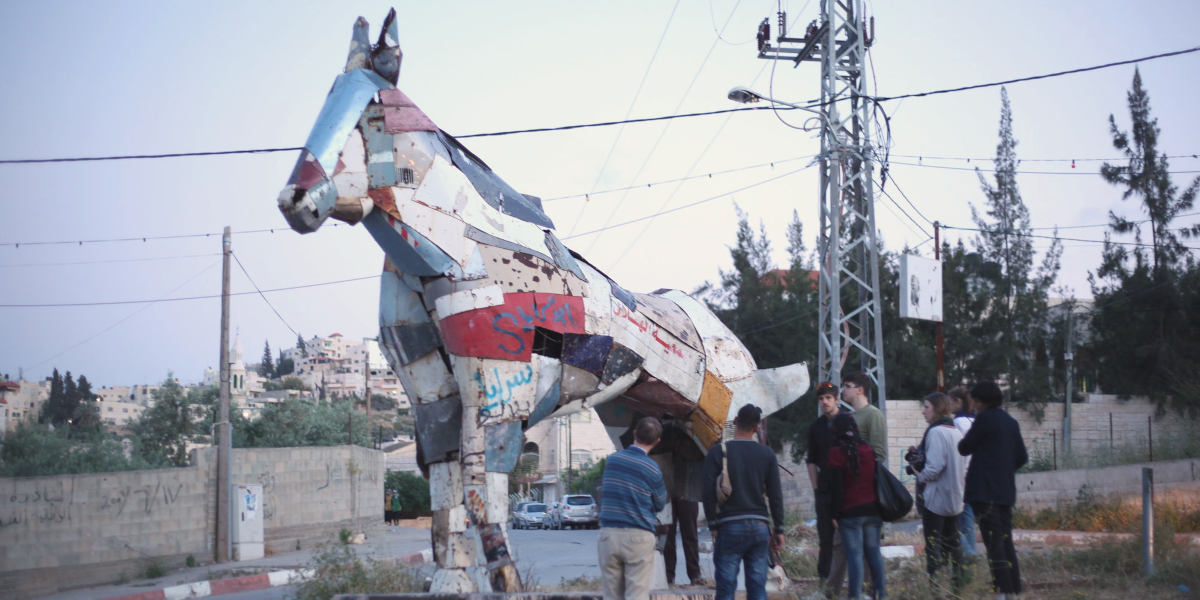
column 492, row 324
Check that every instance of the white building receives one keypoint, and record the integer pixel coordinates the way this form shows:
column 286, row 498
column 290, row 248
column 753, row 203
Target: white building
column 23, row 401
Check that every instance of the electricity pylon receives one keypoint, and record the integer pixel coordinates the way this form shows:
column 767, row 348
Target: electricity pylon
column 850, row 307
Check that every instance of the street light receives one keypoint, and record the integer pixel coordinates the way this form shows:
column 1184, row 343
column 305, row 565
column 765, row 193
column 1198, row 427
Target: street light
column 743, row 95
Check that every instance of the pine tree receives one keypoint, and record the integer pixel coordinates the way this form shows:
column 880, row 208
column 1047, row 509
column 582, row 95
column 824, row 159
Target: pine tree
column 267, row 367
column 54, row 410
column 1144, row 325
column 301, row 347
column 1016, row 322
column 86, row 417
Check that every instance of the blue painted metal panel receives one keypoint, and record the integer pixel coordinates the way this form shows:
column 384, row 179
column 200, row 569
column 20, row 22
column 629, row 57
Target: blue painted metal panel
column 398, row 304
column 495, row 191
column 503, row 446
column 381, row 162
column 547, row 403
column 413, row 341
column 562, row 256
column 621, row 360
column 345, row 104
column 410, row 251
column 588, row 352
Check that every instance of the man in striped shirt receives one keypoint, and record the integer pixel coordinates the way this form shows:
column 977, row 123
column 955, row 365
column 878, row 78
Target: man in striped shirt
column 631, row 492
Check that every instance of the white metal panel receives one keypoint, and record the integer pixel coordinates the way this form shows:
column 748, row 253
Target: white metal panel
column 667, row 358
column 445, row 485
column 351, row 181
column 465, row 300
column 447, row 189
column 597, row 303
column 507, row 389
column 446, row 231
column 426, row 379
column 727, row 357
column 769, row 389
column 529, row 273
column 497, row 502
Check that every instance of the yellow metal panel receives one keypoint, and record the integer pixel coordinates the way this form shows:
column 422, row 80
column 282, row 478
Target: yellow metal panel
column 709, row 418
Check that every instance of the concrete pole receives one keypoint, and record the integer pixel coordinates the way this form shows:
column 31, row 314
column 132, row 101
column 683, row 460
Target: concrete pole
column 1070, row 360
column 224, row 431
column 1148, row 521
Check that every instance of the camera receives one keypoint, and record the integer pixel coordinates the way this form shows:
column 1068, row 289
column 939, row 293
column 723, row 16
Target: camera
column 915, row 460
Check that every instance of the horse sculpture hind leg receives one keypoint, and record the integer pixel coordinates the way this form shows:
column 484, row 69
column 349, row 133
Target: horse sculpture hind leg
column 492, row 325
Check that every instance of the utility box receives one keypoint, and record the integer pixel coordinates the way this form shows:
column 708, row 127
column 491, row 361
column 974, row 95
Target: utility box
column 248, row 521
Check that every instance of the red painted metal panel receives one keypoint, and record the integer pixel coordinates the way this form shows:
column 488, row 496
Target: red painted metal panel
column 506, row 331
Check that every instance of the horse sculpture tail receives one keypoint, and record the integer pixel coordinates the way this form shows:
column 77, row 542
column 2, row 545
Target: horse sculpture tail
column 769, row 389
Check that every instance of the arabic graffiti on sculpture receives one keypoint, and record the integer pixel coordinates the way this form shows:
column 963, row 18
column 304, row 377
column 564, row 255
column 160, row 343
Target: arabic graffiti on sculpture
column 511, row 322
column 623, row 312
column 500, row 393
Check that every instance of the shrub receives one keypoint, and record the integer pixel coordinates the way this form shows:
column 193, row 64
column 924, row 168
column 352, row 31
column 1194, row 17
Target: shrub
column 339, row 570
column 413, row 490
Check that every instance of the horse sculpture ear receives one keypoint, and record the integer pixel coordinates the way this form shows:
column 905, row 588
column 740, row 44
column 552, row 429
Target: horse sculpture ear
column 360, row 46
column 386, row 56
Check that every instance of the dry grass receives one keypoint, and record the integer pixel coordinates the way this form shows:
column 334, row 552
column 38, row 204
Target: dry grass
column 1179, row 512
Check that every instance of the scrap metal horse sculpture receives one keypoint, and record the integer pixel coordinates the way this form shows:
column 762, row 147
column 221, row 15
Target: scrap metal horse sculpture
column 492, row 324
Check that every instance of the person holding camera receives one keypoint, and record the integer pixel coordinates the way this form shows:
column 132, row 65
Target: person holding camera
column 940, row 472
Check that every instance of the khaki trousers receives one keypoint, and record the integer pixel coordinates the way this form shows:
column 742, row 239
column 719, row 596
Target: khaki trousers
column 626, row 562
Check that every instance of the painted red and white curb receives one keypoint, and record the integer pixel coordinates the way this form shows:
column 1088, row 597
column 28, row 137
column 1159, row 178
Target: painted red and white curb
column 246, row 583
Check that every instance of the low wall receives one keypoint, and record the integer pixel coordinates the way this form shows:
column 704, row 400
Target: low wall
column 1052, row 489
column 65, row 531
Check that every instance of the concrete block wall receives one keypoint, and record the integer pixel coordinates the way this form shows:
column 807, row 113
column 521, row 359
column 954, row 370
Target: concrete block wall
column 65, row 531
column 1053, row 489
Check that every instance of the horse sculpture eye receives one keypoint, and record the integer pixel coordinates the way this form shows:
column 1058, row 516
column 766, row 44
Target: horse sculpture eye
column 298, row 195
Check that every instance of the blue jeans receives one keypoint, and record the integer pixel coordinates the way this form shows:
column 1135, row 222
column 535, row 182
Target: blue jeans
column 740, row 542
column 860, row 535
column 966, row 530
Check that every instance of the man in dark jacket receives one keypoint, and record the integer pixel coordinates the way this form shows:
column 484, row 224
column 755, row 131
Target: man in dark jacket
column 742, row 526
column 831, row 559
column 996, row 449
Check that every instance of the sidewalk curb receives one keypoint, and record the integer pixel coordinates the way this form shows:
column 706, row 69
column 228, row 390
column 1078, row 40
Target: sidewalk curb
column 247, row 583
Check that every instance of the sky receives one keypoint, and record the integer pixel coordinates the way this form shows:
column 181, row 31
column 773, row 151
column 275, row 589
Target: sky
column 85, row 79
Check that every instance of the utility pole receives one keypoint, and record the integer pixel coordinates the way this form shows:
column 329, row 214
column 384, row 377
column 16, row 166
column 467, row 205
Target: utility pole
column 848, row 288
column 224, row 431
column 1069, row 358
column 367, row 387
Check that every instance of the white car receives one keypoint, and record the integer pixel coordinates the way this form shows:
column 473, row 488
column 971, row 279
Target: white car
column 578, row 510
column 528, row 515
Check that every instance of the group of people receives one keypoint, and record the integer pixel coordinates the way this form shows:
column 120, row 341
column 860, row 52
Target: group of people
column 964, row 465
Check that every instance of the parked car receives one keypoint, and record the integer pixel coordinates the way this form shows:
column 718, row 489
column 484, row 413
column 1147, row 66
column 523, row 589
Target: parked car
column 529, row 515
column 578, row 510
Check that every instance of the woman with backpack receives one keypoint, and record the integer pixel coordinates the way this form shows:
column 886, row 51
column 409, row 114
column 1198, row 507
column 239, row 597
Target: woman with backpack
column 856, row 515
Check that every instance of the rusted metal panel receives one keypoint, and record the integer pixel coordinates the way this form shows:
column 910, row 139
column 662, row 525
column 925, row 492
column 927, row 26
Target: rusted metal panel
column 518, row 271
column 621, row 360
column 666, row 358
column 445, row 485
column 507, row 389
column 709, row 419
column 453, row 550
column 506, row 331
column 588, row 352
column 597, row 303
column 453, row 582
column 401, row 115
column 668, row 315
column 655, row 398
column 466, row 300
column 438, row 425
column 414, row 154
column 726, row 357
column 495, row 546
column 433, row 288
column 503, row 446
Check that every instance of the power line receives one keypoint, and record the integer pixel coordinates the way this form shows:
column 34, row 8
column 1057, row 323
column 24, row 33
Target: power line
column 680, row 179
column 993, row 159
column 147, row 238
column 1019, row 233
column 260, row 293
column 1036, row 77
column 1019, row 172
column 812, row 104
column 185, row 298
column 111, row 260
column 685, row 206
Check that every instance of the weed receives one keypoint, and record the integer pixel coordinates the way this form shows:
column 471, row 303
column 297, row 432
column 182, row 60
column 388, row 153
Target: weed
column 1179, row 513
column 153, row 570
column 344, row 536
column 339, row 570
column 583, row 583
column 191, row 561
